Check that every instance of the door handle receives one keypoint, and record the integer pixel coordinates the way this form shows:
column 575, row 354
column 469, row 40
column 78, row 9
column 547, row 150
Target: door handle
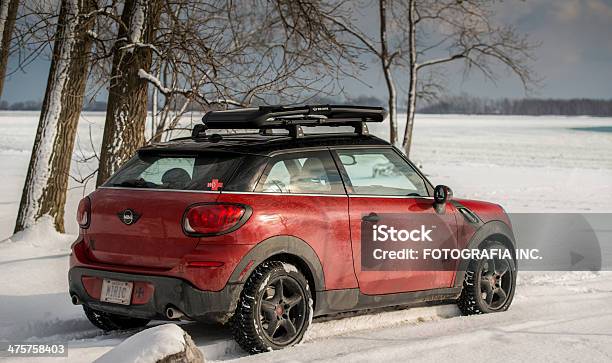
column 372, row 217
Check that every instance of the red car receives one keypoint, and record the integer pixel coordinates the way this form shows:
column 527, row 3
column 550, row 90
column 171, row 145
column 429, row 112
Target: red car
column 267, row 230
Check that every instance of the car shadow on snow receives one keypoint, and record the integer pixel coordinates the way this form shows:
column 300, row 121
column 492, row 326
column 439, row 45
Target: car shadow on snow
column 52, row 318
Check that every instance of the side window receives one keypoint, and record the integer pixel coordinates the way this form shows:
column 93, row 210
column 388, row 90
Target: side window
column 278, row 179
column 380, row 172
column 301, row 173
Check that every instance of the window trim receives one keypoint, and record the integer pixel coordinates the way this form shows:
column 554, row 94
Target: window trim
column 347, row 181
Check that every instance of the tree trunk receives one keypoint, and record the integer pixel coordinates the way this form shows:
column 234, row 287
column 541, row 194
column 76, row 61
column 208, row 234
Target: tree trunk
column 8, row 14
column 392, row 103
column 412, row 69
column 126, row 112
column 44, row 192
column 386, row 67
column 154, row 109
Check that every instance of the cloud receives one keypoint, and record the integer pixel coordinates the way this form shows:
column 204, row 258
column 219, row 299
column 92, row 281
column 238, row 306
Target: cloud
column 582, row 10
column 567, row 11
column 600, row 9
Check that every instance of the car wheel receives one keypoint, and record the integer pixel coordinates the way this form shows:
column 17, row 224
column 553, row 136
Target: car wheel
column 107, row 321
column 488, row 285
column 274, row 310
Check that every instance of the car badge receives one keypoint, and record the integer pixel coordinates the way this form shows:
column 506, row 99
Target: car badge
column 128, row 216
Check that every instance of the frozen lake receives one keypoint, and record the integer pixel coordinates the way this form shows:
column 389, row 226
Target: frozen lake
column 528, row 164
column 525, row 163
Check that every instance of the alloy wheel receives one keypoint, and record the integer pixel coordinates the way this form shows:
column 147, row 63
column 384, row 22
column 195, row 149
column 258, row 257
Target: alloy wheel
column 495, row 282
column 282, row 310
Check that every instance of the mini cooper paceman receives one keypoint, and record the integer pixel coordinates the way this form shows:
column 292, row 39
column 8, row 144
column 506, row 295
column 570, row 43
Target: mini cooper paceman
column 262, row 230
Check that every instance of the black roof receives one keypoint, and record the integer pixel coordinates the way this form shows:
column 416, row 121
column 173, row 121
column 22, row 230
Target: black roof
column 254, row 143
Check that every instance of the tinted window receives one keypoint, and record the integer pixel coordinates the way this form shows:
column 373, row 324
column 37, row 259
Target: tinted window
column 380, row 172
column 195, row 172
column 302, row 173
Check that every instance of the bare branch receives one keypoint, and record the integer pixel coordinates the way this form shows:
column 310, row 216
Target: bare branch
column 439, row 61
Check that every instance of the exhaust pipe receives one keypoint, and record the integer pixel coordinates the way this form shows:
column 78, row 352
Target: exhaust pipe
column 173, row 313
column 75, row 300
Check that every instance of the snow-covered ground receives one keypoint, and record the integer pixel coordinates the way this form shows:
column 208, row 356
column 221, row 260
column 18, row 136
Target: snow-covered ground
column 528, row 164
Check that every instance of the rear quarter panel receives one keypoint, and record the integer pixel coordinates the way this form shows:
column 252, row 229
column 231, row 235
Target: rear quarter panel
column 320, row 221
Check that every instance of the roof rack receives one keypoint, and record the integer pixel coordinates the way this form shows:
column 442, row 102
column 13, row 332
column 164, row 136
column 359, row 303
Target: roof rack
column 291, row 118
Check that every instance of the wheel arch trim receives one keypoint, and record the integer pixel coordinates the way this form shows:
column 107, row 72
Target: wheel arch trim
column 502, row 232
column 281, row 246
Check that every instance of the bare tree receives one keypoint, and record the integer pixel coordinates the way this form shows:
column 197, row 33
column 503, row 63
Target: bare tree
column 126, row 112
column 8, row 15
column 230, row 54
column 466, row 31
column 382, row 51
column 213, row 54
column 412, row 32
column 386, row 61
column 44, row 192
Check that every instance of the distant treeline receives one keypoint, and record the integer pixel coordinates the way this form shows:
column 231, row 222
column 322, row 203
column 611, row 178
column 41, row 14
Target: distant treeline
column 37, row 106
column 461, row 104
column 101, row 106
column 527, row 106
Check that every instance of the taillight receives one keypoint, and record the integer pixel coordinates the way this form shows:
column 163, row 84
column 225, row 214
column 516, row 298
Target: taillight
column 213, row 219
column 84, row 213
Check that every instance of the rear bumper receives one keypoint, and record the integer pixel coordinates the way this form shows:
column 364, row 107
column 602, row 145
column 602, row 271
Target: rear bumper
column 212, row 306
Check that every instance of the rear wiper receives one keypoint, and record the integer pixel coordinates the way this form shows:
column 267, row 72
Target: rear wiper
column 133, row 183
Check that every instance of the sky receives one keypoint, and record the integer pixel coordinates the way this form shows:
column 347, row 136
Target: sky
column 574, row 59
column 575, row 54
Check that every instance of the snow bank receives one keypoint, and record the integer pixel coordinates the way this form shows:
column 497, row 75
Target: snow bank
column 42, row 234
column 151, row 345
column 368, row 320
column 34, row 301
column 41, row 239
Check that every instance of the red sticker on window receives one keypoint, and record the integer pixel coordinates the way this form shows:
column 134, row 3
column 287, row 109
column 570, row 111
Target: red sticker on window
column 215, row 184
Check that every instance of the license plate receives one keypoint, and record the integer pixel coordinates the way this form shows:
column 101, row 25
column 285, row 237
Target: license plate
column 116, row 292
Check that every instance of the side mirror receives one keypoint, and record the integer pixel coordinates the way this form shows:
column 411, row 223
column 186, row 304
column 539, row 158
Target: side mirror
column 442, row 194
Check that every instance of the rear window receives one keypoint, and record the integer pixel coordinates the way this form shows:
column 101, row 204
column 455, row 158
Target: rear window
column 176, row 172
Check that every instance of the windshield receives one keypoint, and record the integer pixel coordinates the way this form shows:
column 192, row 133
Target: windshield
column 178, row 172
